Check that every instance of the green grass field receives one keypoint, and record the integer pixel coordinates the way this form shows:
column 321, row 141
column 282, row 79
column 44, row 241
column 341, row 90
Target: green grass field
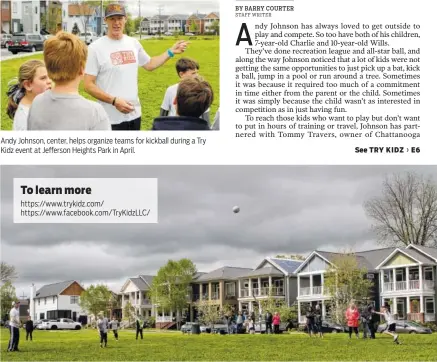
column 84, row 346
column 152, row 85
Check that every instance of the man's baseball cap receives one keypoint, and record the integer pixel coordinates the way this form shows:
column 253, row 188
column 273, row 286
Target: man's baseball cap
column 115, row 10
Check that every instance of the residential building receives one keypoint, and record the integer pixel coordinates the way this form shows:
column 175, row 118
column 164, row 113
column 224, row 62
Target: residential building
column 58, row 300
column 218, row 287
column 81, row 14
column 145, row 26
column 135, row 291
column 273, row 277
column 408, row 282
column 26, row 16
column 209, row 20
column 177, row 23
column 6, row 16
column 159, row 24
column 402, row 277
column 199, row 20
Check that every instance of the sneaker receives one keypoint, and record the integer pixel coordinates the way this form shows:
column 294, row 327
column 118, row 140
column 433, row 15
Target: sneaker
column 101, row 345
column 395, row 339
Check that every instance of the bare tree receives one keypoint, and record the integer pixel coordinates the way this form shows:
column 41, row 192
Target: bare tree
column 406, row 212
column 8, row 272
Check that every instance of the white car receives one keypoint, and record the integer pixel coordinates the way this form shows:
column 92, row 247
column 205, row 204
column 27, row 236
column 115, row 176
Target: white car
column 88, row 37
column 62, row 323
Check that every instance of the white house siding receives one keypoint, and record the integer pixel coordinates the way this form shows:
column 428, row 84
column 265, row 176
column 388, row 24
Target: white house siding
column 31, row 16
column 61, row 302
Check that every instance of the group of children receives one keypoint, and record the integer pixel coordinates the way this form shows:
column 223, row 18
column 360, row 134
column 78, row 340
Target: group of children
column 45, row 96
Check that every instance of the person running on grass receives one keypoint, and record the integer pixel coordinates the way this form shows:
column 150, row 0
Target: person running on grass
column 113, row 325
column 352, row 317
column 102, row 326
column 390, row 322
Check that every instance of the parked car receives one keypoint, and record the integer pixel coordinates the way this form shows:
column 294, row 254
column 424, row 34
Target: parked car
column 186, row 328
column 261, row 328
column 168, row 33
column 189, row 34
column 223, row 329
column 5, row 39
column 38, row 322
column 407, row 327
column 26, row 43
column 331, row 327
column 88, row 37
column 62, row 323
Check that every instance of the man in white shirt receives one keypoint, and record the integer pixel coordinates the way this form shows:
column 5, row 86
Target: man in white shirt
column 14, row 327
column 111, row 73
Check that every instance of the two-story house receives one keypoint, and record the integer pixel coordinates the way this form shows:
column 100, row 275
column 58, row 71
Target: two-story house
column 58, row 300
column 408, row 282
column 135, row 291
column 273, row 277
column 199, row 20
column 398, row 276
column 209, row 20
column 145, row 26
column 176, row 23
column 218, row 287
column 26, row 16
column 159, row 24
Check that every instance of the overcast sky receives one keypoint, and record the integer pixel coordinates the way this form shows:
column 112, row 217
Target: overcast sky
column 283, row 210
column 188, row 7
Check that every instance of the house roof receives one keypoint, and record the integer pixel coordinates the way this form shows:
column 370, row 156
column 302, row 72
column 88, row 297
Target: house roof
column 216, row 13
column 419, row 256
column 410, row 253
column 362, row 262
column 224, row 273
column 289, row 265
column 425, row 249
column 139, row 283
column 266, row 271
column 198, row 275
column 148, row 279
column 160, row 17
column 198, row 16
column 376, row 256
column 80, row 10
column 178, row 17
column 53, row 289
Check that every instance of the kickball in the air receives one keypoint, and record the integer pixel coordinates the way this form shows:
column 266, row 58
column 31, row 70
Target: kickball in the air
column 236, row 209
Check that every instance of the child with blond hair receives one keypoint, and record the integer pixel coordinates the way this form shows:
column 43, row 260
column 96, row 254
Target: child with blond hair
column 32, row 80
column 62, row 107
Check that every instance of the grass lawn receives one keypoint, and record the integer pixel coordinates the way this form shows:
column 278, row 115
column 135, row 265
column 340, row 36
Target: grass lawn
column 84, row 345
column 152, row 85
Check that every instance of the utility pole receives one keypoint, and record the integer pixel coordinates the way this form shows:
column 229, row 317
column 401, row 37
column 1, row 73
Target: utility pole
column 160, row 8
column 141, row 20
column 101, row 18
